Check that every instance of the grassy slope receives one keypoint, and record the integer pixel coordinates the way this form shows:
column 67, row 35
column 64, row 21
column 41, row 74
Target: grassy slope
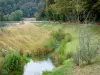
column 63, row 70
column 72, row 29
column 72, row 47
column 28, row 37
column 22, row 37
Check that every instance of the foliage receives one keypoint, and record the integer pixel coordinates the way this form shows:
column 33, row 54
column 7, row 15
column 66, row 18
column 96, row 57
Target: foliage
column 68, row 61
column 46, row 72
column 76, row 58
column 63, row 43
column 62, row 46
column 59, row 35
column 52, row 43
column 13, row 65
column 93, row 6
column 62, row 70
column 55, row 40
column 87, row 50
column 58, row 42
column 69, row 55
column 17, row 15
column 59, row 55
column 29, row 7
column 72, row 10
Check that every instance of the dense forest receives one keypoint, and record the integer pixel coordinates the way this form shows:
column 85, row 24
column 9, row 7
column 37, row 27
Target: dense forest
column 15, row 9
column 72, row 10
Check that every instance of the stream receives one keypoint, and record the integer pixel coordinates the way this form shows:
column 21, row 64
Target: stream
column 33, row 67
column 37, row 67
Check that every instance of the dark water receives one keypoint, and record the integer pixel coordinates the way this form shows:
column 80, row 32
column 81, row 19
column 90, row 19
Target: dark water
column 3, row 24
column 6, row 23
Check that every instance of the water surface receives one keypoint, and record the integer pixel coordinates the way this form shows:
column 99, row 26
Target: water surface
column 37, row 67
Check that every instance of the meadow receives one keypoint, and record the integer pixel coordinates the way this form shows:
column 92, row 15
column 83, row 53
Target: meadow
column 32, row 40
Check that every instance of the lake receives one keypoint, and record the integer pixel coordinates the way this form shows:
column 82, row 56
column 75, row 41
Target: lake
column 37, row 67
column 6, row 23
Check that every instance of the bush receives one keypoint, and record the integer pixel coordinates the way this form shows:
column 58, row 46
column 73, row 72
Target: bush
column 69, row 55
column 86, row 56
column 14, row 16
column 13, row 65
column 52, row 43
column 17, row 15
column 59, row 35
column 58, row 43
column 62, row 46
column 76, row 58
column 68, row 37
column 63, row 43
column 87, row 50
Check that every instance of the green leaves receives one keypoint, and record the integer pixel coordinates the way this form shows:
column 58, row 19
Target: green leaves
column 12, row 65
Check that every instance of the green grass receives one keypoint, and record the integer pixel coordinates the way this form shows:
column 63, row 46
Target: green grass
column 73, row 30
column 30, row 38
column 65, row 69
column 72, row 47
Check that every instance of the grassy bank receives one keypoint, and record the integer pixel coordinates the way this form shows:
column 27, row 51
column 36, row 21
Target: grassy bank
column 72, row 47
column 31, row 40
column 23, row 38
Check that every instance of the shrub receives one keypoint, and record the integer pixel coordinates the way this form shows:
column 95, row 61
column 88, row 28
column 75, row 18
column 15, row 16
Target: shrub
column 63, row 43
column 58, row 40
column 87, row 50
column 69, row 55
column 12, row 65
column 62, row 46
column 59, row 35
column 76, row 58
column 52, row 43
column 58, row 43
column 68, row 37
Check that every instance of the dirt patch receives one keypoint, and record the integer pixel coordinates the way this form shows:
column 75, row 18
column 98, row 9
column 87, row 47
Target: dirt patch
column 87, row 70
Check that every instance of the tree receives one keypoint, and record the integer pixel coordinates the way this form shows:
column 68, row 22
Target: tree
column 17, row 15
column 93, row 6
column 29, row 7
column 1, row 16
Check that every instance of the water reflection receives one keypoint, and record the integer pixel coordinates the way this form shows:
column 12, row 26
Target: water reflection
column 37, row 67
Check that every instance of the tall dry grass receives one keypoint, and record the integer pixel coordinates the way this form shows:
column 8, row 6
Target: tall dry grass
column 23, row 38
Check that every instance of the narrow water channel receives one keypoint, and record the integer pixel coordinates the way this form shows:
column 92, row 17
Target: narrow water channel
column 37, row 67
